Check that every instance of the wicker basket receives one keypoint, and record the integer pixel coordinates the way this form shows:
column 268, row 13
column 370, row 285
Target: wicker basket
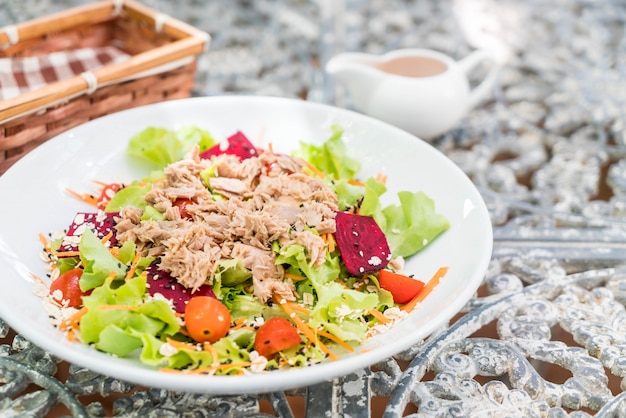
column 161, row 66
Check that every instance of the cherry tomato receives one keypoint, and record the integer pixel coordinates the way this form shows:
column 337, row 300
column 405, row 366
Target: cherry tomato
column 66, row 288
column 401, row 287
column 206, row 319
column 182, row 203
column 275, row 335
column 107, row 192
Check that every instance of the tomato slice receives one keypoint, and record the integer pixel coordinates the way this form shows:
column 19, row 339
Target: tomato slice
column 206, row 319
column 107, row 192
column 402, row 288
column 182, row 203
column 277, row 334
column 65, row 289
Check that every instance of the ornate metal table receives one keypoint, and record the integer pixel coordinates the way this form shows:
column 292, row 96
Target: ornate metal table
column 545, row 336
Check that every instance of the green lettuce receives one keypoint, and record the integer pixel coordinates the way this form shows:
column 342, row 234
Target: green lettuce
column 98, row 262
column 409, row 226
column 413, row 224
column 129, row 196
column 339, row 310
column 331, row 157
column 122, row 331
column 160, row 146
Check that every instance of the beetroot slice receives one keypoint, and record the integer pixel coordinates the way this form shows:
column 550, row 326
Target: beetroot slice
column 101, row 223
column 238, row 144
column 362, row 244
column 160, row 281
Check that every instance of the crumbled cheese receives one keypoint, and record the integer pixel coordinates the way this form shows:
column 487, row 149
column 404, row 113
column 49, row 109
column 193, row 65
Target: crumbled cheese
column 167, row 350
column 374, row 261
column 258, row 362
column 257, row 322
column 344, row 310
column 394, row 315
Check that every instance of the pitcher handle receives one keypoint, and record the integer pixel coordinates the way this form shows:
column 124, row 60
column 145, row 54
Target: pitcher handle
column 472, row 60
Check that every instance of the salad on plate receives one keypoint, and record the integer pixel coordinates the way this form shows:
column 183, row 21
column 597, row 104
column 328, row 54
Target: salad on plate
column 230, row 259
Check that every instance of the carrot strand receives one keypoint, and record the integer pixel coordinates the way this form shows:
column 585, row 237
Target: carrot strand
column 336, row 339
column 379, row 316
column 133, row 268
column 67, row 254
column 294, row 277
column 87, row 198
column 432, row 283
column 73, row 321
column 46, row 244
column 304, row 328
column 314, row 169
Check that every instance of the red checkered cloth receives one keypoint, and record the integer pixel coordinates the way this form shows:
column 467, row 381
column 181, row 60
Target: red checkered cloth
column 19, row 75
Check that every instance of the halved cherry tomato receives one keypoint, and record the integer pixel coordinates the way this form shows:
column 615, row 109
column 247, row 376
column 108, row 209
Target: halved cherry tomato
column 206, row 319
column 401, row 287
column 182, row 203
column 275, row 335
column 66, row 288
column 107, row 192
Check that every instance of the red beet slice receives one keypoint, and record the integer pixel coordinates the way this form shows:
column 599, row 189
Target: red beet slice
column 362, row 244
column 238, row 144
column 160, row 281
column 101, row 223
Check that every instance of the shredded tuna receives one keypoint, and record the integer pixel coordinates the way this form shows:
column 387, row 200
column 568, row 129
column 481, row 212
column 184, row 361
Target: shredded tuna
column 261, row 200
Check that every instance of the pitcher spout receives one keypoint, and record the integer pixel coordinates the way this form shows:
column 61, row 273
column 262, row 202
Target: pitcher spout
column 357, row 72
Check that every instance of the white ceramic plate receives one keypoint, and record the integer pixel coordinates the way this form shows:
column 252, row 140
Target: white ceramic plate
column 34, row 200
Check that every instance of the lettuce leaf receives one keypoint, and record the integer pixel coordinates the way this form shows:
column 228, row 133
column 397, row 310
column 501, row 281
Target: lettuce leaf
column 339, row 310
column 160, row 147
column 122, row 331
column 413, row 224
column 98, row 262
column 331, row 157
column 129, row 196
column 409, row 226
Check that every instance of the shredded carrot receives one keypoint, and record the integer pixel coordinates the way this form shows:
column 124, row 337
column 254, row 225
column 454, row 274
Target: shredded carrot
column 356, row 183
column 46, row 244
column 182, row 345
column 432, row 283
column 214, row 354
column 304, row 328
column 379, row 316
column 87, row 198
column 73, row 321
column 133, row 268
column 301, row 309
column 210, row 369
column 106, row 238
column 67, row 253
column 314, row 169
column 37, row 278
column 330, row 241
column 294, row 277
column 239, row 324
column 381, row 178
column 335, row 339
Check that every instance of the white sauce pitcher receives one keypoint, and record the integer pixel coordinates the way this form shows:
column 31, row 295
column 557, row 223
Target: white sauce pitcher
column 421, row 91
